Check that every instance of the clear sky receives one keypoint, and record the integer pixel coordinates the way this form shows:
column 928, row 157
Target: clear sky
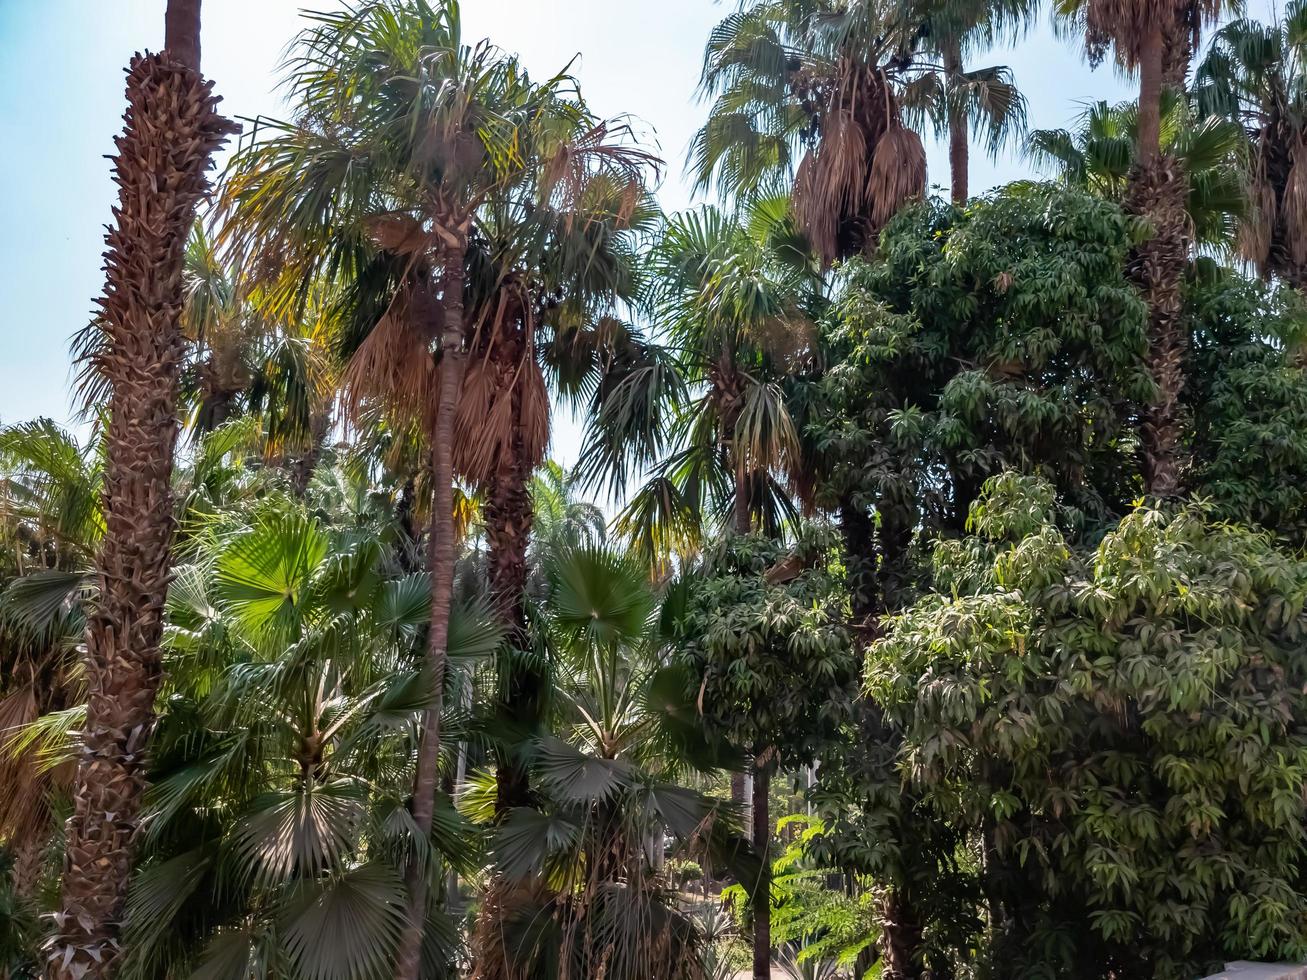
column 61, row 102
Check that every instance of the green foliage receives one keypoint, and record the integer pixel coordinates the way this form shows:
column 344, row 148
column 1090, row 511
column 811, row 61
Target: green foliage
column 772, row 659
column 1122, row 727
column 1000, row 336
column 1247, row 392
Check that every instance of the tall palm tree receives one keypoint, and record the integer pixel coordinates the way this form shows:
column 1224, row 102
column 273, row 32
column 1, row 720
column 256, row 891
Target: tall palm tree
column 544, row 283
column 1099, row 156
column 808, row 100
column 957, row 99
column 403, row 137
column 1157, row 40
column 172, row 129
column 1255, row 75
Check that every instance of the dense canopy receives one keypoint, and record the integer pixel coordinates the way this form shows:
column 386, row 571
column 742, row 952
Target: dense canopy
column 927, row 599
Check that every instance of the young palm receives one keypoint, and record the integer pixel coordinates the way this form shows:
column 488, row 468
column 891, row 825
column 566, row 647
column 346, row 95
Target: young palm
column 278, row 826
column 1255, row 76
column 172, row 129
column 1157, row 40
column 585, row 862
column 52, row 524
column 1099, row 156
column 808, row 99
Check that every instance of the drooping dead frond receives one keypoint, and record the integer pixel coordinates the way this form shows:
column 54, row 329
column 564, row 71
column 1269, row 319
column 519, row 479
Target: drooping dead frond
column 402, row 235
column 605, row 152
column 503, row 408
column 1293, row 208
column 393, row 367
column 1256, row 233
column 898, row 173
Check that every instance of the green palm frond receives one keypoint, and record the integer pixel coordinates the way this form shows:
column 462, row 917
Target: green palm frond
column 305, row 831
column 598, row 599
column 265, row 573
column 346, row 927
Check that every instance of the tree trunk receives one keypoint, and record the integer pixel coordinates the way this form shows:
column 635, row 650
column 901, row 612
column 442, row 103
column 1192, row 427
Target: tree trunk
column 1150, row 98
column 508, row 521
column 959, row 146
column 29, row 861
column 1159, row 192
column 743, row 524
column 172, row 127
column 440, row 561
column 181, row 32
column 762, row 891
column 902, row 937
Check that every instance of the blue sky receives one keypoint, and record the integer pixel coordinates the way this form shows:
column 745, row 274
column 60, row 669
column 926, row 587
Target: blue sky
column 61, row 102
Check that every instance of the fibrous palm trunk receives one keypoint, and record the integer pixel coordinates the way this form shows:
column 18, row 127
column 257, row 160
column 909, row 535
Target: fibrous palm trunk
column 440, row 562
column 508, row 521
column 959, row 149
column 1158, row 192
column 172, row 129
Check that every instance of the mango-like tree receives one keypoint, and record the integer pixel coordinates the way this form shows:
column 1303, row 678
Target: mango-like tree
column 762, row 638
column 1121, row 725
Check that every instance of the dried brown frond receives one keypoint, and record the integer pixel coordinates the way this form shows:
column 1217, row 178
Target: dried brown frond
column 1293, row 207
column 393, row 367
column 603, row 153
column 1123, row 25
column 898, row 173
column 820, row 225
column 498, row 404
column 1256, row 231
column 402, row 235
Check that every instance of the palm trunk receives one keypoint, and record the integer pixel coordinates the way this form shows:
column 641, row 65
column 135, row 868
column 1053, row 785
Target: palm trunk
column 1150, row 98
column 440, row 560
column 508, row 521
column 743, row 525
column 29, row 861
column 172, row 127
column 959, row 147
column 1159, row 192
column 762, row 892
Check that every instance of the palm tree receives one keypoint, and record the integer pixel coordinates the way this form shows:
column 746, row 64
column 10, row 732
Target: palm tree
column 1099, row 156
column 172, row 129
column 285, row 752
column 1157, row 41
column 808, row 100
column 544, row 283
column 587, row 891
column 52, row 526
column 957, row 99
column 1255, row 75
column 404, row 137
column 734, row 300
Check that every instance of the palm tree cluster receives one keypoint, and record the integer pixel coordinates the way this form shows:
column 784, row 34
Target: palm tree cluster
column 313, row 664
